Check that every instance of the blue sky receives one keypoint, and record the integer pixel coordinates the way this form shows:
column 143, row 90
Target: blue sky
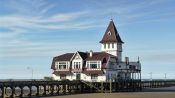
column 34, row 31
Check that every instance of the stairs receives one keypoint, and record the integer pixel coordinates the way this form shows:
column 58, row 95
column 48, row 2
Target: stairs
column 91, row 85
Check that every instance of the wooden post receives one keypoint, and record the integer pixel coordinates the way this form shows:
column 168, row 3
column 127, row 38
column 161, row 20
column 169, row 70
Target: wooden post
column 13, row 92
column 21, row 95
column 44, row 90
column 64, row 89
column 52, row 89
column 30, row 92
column 69, row 88
column 38, row 90
column 110, row 86
column 81, row 87
column 58, row 89
column 3, row 92
column 102, row 87
column 140, row 82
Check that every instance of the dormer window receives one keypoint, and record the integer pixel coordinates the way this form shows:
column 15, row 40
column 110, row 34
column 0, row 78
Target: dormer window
column 62, row 65
column 93, row 64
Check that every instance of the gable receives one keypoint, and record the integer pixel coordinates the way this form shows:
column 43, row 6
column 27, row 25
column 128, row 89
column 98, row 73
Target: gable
column 76, row 56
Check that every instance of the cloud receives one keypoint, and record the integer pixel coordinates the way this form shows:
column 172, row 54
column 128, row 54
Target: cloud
column 21, row 22
column 57, row 21
column 16, row 47
column 28, row 7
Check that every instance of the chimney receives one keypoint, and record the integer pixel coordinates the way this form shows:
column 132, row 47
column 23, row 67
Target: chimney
column 91, row 53
column 127, row 60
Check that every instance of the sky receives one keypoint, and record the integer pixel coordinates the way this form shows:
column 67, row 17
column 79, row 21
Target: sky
column 32, row 32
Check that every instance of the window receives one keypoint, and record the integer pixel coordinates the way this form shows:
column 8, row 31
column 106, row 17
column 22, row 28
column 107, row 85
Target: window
column 62, row 76
column 112, row 45
column 93, row 64
column 130, row 66
column 63, row 65
column 77, row 65
column 111, row 64
column 104, row 46
column 94, row 77
column 108, row 45
column 109, row 33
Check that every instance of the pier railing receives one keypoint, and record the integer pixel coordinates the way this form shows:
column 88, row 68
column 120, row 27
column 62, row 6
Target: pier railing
column 12, row 89
column 157, row 83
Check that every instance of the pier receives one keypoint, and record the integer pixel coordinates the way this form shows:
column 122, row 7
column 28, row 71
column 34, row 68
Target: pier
column 13, row 89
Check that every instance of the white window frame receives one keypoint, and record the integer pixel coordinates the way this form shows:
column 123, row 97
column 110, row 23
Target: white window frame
column 76, row 65
column 88, row 65
column 58, row 64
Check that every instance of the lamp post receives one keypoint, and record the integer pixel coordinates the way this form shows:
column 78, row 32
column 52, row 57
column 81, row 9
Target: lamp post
column 165, row 75
column 29, row 68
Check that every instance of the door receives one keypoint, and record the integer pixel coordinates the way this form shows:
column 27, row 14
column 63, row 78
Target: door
column 78, row 76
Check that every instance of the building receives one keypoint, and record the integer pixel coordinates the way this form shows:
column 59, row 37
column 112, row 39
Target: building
column 97, row 66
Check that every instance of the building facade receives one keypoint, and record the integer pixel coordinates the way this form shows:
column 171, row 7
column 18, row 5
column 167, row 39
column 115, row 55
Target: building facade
column 97, row 66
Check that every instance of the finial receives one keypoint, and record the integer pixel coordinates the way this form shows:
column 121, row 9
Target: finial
column 111, row 16
column 138, row 59
column 111, row 19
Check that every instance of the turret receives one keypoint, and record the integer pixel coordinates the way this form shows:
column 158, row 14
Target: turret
column 111, row 41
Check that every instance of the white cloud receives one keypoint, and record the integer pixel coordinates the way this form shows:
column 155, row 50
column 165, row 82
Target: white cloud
column 55, row 22
column 28, row 7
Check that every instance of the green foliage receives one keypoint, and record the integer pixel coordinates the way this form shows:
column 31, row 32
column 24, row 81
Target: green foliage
column 48, row 78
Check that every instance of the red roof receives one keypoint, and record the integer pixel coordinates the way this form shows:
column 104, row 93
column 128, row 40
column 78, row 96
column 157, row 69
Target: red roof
column 102, row 56
column 99, row 56
column 111, row 34
column 63, row 57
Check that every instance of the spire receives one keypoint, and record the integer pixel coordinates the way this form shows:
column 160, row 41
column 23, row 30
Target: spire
column 111, row 34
